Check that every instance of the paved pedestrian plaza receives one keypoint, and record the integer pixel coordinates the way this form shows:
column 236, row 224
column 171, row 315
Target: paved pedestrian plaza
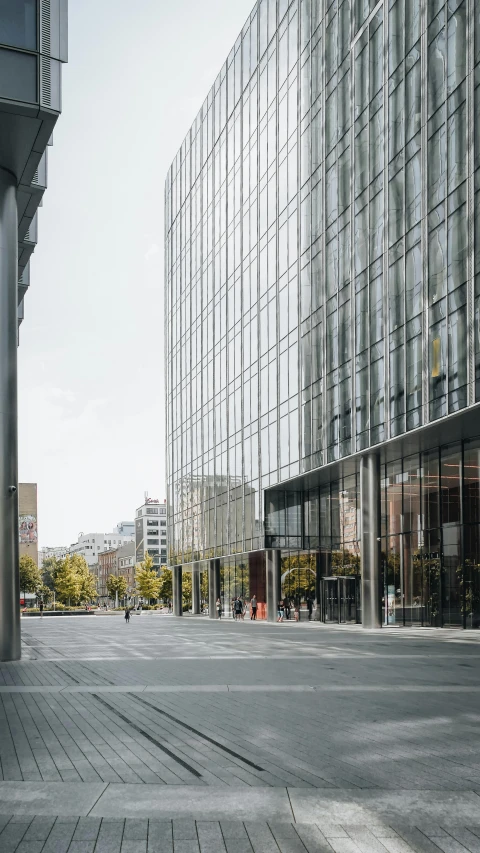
column 195, row 736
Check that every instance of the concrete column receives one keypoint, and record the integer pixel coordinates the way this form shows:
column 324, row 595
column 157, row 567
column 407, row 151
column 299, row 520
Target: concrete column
column 177, row 591
column 273, row 583
column 10, row 648
column 213, row 587
column 196, row 590
column 370, row 540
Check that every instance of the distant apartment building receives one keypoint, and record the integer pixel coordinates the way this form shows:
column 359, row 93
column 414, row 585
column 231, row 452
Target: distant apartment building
column 119, row 562
column 90, row 545
column 27, row 520
column 127, row 528
column 59, row 552
column 151, row 531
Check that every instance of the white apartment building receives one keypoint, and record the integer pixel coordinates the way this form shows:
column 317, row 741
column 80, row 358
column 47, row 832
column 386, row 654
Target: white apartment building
column 89, row 545
column 151, row 531
column 59, row 552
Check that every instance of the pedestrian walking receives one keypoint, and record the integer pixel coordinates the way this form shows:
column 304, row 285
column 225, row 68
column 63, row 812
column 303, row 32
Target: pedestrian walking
column 286, row 607
column 41, row 609
column 280, row 611
column 253, row 607
column 139, row 609
column 297, row 612
column 238, row 608
column 127, row 615
column 219, row 608
column 309, row 607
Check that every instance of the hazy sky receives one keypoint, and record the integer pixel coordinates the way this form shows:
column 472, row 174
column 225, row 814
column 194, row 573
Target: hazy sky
column 91, row 389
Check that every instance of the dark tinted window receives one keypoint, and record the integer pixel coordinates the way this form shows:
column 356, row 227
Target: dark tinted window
column 18, row 23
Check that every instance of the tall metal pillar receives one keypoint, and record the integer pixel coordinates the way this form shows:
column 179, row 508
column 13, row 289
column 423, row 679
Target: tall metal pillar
column 196, row 590
column 273, row 583
column 177, row 591
column 370, row 540
column 213, row 587
column 10, row 647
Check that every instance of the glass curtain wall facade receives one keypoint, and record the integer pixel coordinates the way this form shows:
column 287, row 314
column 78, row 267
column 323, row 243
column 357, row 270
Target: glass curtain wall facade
column 323, row 297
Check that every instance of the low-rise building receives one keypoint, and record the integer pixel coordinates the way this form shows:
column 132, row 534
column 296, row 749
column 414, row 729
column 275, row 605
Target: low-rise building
column 119, row 562
column 59, row 552
column 151, row 531
column 91, row 545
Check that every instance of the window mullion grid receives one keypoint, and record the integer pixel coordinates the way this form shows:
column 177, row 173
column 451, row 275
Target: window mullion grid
column 424, row 220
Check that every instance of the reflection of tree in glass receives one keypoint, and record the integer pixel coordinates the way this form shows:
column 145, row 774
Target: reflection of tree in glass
column 298, row 573
column 469, row 575
column 345, row 562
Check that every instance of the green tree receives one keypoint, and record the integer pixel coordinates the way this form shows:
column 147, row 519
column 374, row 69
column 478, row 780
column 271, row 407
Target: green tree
column 68, row 582
column 88, row 581
column 45, row 593
column 146, row 578
column 30, row 575
column 187, row 589
column 116, row 587
column 49, row 569
column 165, row 591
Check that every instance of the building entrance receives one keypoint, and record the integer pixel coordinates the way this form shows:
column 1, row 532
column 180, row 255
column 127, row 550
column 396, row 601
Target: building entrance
column 340, row 599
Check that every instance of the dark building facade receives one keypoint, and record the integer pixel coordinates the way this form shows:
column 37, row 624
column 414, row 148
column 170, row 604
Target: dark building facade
column 323, row 315
column 33, row 46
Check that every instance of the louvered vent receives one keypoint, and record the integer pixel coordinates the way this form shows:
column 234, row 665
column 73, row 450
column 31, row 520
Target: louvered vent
column 46, row 27
column 35, row 178
column 27, row 237
column 46, row 74
column 46, row 81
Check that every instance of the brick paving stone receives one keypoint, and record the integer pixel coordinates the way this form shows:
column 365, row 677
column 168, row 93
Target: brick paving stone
column 87, row 829
column 282, row 830
column 290, row 845
column 186, row 845
column 417, row 841
column 313, row 839
column 160, row 836
column 344, row 845
column 12, row 835
column 134, row 846
column 184, row 830
column 135, row 830
column 260, row 837
column 466, row 837
column 210, row 837
column 110, row 836
column 333, row 830
column 449, row 845
column 239, row 845
column 39, row 829
column 60, row 837
column 233, row 829
column 366, row 841
column 396, row 845
column 82, row 847
column 30, row 847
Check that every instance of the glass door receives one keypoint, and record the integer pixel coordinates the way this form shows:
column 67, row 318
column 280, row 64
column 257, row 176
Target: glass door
column 330, row 600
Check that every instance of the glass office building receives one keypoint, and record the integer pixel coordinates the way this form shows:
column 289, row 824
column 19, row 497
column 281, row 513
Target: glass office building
column 323, row 315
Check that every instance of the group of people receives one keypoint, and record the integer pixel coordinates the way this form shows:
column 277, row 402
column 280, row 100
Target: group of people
column 284, row 609
column 239, row 608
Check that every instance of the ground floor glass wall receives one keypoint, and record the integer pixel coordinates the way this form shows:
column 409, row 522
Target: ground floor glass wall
column 430, row 541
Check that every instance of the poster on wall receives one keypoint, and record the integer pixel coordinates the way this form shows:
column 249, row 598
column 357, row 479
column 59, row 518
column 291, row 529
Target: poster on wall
column 27, row 529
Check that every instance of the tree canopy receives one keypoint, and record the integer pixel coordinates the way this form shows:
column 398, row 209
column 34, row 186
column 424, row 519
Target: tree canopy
column 30, row 574
column 146, row 578
column 116, row 585
column 74, row 582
